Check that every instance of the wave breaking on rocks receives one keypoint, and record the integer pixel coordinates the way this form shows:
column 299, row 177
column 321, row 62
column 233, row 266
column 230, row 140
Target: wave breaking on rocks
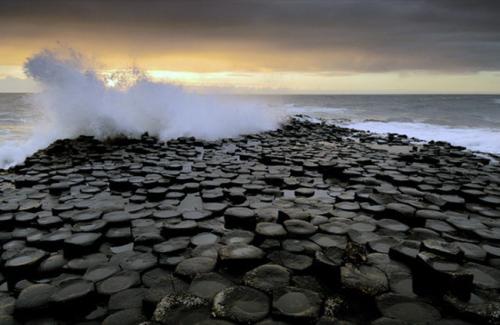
column 76, row 99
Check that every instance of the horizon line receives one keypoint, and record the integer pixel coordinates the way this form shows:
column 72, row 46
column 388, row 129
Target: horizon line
column 321, row 94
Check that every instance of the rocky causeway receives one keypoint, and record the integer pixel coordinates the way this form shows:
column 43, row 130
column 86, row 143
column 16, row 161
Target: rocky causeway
column 309, row 224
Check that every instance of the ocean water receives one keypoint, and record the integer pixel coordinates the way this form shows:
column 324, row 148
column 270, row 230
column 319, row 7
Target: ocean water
column 472, row 121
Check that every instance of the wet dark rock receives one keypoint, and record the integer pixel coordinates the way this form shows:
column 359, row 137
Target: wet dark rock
column 270, row 230
column 181, row 309
column 392, row 225
column 383, row 244
column 52, row 265
column 158, row 277
column 307, row 192
column 472, row 251
column 439, row 226
column 295, row 262
column 101, row 272
column 156, row 194
column 196, row 265
column 86, row 215
column 437, row 275
column 126, row 299
column 405, row 252
column 267, row 277
column 172, row 245
column 196, row 215
column 207, row 285
column 467, row 224
column 492, row 234
column 299, row 228
column 241, row 304
column 327, row 265
column 335, row 227
column 403, row 212
column 34, row 299
column 485, row 277
column 125, row 317
column 135, row 261
column 481, row 311
column 240, row 256
column 183, row 228
column 23, row 262
column 240, row 218
column 81, row 264
column 205, row 238
column 74, row 295
column 296, row 304
column 364, row 279
column 326, row 240
column 81, row 243
column 118, row 282
column 407, row 310
column 441, row 247
column 375, row 224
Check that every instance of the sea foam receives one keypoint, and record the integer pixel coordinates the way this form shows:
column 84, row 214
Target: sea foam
column 475, row 139
column 76, row 100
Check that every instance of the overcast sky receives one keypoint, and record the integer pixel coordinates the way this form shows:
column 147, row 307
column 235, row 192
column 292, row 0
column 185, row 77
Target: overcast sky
column 365, row 46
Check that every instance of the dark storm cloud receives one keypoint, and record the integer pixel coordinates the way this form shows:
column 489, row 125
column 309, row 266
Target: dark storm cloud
column 348, row 35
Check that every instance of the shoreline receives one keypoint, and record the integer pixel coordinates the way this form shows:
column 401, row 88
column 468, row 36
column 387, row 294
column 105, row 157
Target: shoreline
column 136, row 230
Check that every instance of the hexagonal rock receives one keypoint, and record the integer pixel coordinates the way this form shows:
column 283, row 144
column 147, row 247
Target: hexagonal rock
column 75, row 295
column 472, row 251
column 118, row 282
column 127, row 299
column 239, row 257
column 407, row 310
column 270, row 230
column 482, row 310
column 207, row 285
column 335, row 227
column 241, row 304
column 295, row 262
column 327, row 265
column 24, row 262
column 183, row 228
column 441, row 247
column 405, row 252
column 81, row 243
column 172, row 245
column 100, row 272
column 193, row 266
column 485, row 277
column 364, row 279
column 205, row 238
column 404, row 213
column 436, row 274
column 174, row 306
column 240, row 218
column 34, row 299
column 125, row 317
column 300, row 228
column 296, row 304
column 238, row 236
column 119, row 184
column 135, row 261
column 393, row 225
column 267, row 277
